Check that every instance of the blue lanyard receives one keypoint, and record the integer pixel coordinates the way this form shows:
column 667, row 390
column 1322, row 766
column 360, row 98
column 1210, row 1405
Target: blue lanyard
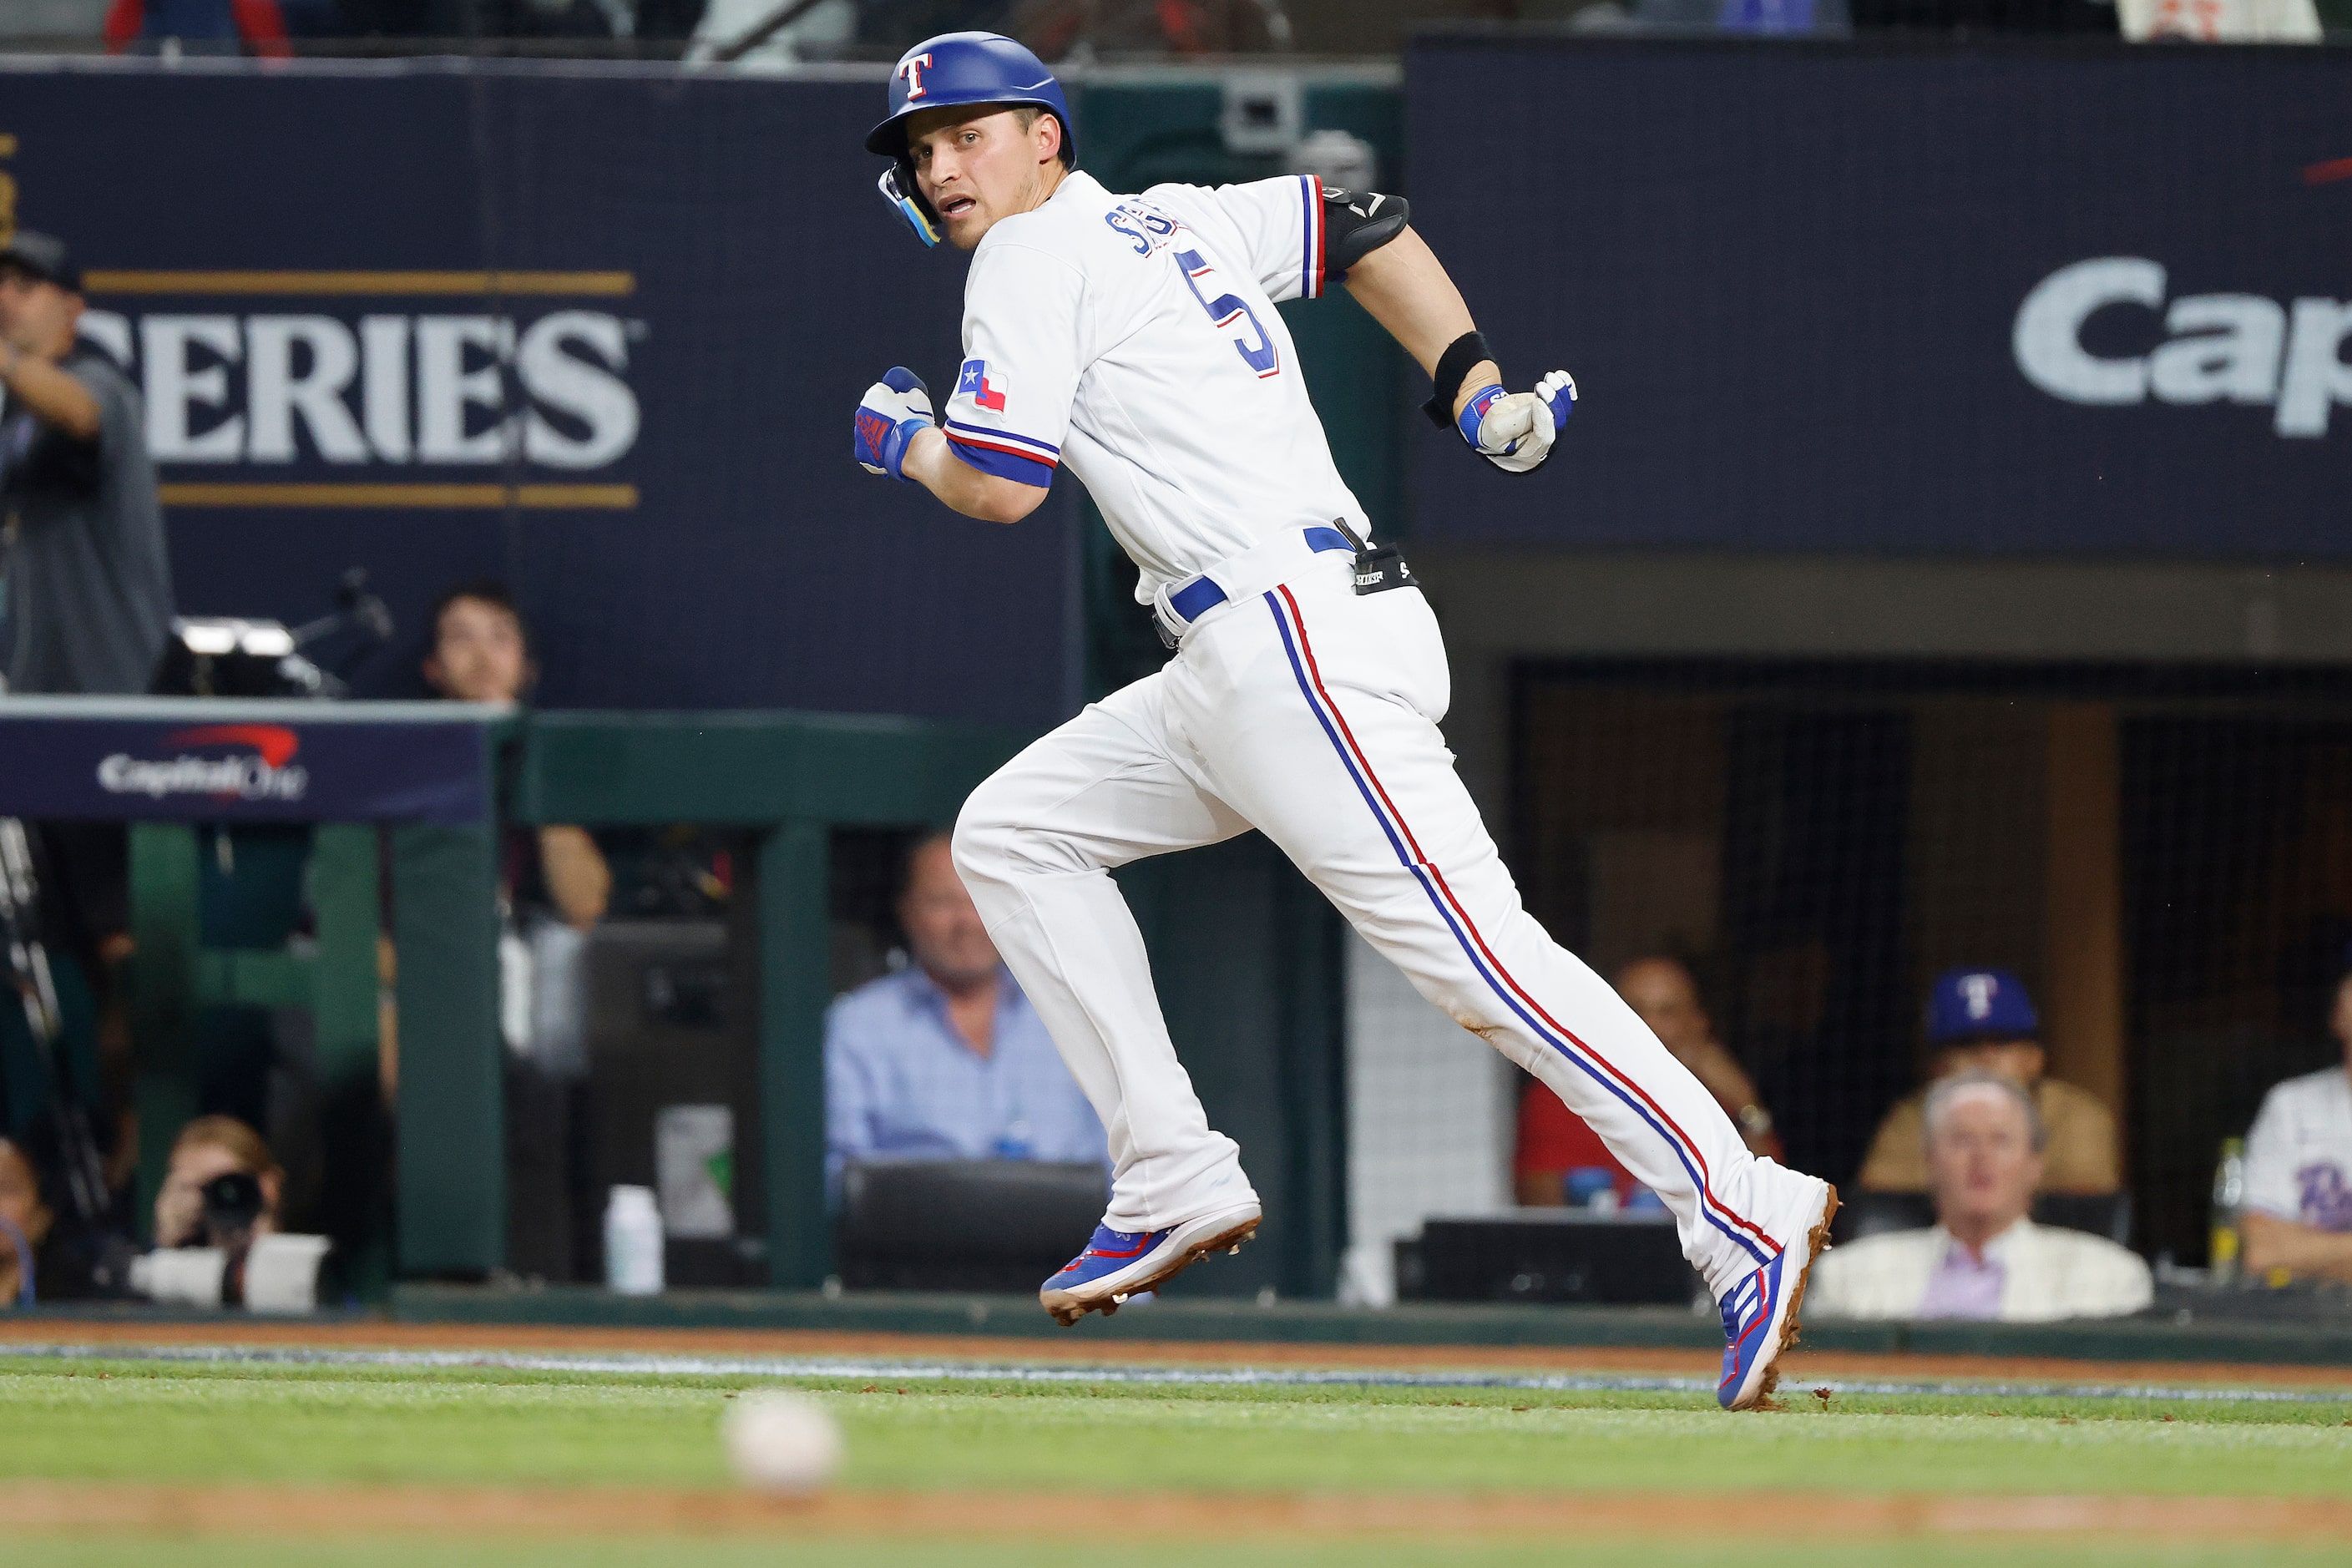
column 24, row 1261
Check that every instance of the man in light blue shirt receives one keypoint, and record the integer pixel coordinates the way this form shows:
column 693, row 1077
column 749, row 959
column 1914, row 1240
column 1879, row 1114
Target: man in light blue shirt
column 946, row 1059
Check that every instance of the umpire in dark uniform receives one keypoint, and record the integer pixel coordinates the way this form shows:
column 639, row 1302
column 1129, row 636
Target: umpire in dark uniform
column 89, row 580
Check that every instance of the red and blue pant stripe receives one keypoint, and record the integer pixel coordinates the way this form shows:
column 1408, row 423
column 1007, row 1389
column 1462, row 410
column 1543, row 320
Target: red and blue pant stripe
column 1292, row 625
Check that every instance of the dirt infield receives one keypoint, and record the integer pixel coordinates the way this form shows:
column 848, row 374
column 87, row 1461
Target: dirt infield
column 32, row 1507
column 1077, row 1351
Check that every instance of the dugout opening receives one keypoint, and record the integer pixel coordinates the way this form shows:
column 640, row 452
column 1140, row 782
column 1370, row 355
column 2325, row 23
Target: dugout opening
column 2163, row 854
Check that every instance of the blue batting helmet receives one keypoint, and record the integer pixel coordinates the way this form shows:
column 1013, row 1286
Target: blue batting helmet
column 957, row 69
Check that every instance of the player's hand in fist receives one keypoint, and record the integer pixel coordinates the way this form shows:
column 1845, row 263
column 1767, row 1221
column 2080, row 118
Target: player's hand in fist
column 894, row 411
column 1514, row 430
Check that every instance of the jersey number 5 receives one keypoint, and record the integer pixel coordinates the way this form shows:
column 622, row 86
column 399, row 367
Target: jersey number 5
column 1227, row 308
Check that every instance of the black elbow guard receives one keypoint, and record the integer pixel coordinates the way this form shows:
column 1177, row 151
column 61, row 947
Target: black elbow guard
column 1356, row 224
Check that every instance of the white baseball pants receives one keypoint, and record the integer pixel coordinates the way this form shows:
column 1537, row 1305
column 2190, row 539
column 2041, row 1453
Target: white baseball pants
column 1310, row 714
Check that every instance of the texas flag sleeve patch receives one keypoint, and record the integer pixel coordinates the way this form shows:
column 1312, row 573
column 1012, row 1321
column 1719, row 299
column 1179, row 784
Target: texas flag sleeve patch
column 991, row 449
column 974, row 381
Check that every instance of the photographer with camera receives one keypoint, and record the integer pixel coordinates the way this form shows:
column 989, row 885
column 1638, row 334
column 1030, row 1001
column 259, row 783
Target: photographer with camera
column 217, row 1236
column 222, row 1187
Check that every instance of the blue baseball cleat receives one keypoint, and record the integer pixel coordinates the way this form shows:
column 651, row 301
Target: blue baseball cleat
column 1118, row 1264
column 1759, row 1314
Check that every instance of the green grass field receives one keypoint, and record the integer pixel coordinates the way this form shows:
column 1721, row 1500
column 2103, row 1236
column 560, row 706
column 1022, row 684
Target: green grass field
column 132, row 1422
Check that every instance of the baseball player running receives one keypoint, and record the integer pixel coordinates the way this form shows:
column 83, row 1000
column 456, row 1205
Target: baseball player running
column 1134, row 338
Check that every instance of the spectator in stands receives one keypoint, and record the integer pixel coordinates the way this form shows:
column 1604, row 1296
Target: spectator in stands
column 819, row 33
column 89, row 579
column 25, row 1222
column 2299, row 1202
column 1981, row 1021
column 553, row 887
column 1055, row 27
column 946, row 1059
column 207, row 1149
column 481, row 653
column 88, row 588
column 1553, row 1141
column 253, row 26
column 1983, row 1150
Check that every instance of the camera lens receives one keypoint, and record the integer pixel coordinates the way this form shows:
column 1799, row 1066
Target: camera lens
column 232, row 1202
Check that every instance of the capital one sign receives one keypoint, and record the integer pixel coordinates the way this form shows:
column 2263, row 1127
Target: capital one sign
column 2216, row 348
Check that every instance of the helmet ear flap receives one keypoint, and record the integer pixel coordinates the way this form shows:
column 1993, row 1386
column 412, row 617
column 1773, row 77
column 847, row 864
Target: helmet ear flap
column 899, row 188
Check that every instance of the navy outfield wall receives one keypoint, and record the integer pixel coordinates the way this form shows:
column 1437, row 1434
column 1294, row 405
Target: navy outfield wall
column 1930, row 299
column 599, row 333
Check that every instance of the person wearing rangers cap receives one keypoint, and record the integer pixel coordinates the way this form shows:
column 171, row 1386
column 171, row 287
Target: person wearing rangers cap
column 1134, row 338
column 1981, row 1020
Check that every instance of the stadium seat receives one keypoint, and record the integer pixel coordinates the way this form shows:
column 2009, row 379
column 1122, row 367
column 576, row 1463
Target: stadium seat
column 1547, row 1255
column 1865, row 1214
column 963, row 1224
column 1868, row 1214
column 2100, row 1213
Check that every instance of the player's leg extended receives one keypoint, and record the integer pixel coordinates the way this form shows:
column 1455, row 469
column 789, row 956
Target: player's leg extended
column 1034, row 844
column 1329, row 745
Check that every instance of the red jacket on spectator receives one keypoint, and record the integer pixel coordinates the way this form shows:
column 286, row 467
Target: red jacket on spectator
column 257, row 24
column 1554, row 1139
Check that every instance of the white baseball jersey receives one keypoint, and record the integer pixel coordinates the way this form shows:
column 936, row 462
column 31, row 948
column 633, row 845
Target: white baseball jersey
column 1135, row 339
column 2299, row 1154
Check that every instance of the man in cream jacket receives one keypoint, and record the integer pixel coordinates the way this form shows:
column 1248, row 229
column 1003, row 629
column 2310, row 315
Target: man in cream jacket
column 1984, row 1258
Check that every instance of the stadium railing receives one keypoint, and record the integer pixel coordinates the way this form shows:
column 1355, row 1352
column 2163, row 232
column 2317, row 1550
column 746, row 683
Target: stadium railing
column 787, row 778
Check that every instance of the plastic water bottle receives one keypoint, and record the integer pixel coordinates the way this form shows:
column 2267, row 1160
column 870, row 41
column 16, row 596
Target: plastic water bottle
column 633, row 1242
column 1582, row 1188
column 2229, row 1202
column 1014, row 1143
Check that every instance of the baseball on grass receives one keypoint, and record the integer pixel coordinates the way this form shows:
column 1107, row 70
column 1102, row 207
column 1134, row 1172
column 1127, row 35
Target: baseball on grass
column 781, row 1442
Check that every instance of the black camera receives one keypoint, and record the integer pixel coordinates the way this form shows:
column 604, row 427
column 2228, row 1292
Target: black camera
column 232, row 1205
column 230, row 656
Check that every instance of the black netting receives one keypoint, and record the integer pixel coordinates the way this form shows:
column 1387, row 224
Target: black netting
column 2163, row 858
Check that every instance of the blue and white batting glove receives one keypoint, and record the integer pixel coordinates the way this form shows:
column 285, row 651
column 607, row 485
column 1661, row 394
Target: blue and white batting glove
column 894, row 411
column 1514, row 430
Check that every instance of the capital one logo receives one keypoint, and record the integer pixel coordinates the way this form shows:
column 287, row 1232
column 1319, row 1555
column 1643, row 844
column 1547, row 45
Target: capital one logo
column 2217, row 348
column 259, row 766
